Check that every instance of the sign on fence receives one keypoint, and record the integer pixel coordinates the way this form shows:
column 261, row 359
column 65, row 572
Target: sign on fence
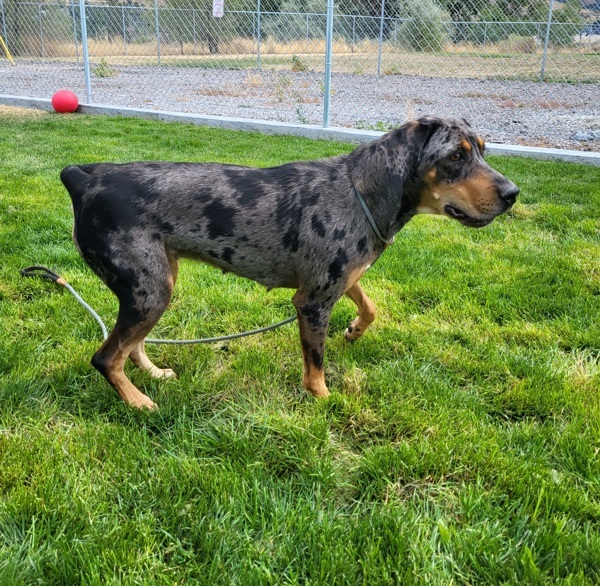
column 218, row 8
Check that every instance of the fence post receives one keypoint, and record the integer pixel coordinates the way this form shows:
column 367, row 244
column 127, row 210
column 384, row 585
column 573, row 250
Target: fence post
column 380, row 38
column 41, row 30
column 124, row 30
column 328, row 50
column 258, row 34
column 194, row 30
column 3, row 21
column 546, row 40
column 307, row 34
column 86, row 56
column 74, row 29
column 157, row 30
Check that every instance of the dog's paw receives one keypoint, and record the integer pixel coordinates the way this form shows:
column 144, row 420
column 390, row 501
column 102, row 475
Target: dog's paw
column 144, row 402
column 353, row 332
column 162, row 373
column 316, row 386
column 320, row 393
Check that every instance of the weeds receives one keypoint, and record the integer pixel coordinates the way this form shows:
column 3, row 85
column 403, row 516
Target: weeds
column 301, row 115
column 104, row 69
column 298, row 64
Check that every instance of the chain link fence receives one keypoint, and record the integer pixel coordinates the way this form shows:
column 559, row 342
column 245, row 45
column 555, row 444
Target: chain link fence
column 522, row 72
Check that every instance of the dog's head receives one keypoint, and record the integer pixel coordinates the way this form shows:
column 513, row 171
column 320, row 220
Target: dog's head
column 452, row 177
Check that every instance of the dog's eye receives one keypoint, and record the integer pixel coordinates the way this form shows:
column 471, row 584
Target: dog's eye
column 456, row 156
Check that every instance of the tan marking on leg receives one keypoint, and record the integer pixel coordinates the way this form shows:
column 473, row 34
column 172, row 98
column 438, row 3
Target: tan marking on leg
column 110, row 361
column 127, row 338
column 138, row 354
column 313, row 381
column 174, row 265
column 357, row 273
column 140, row 359
column 128, row 392
column 366, row 313
column 313, row 347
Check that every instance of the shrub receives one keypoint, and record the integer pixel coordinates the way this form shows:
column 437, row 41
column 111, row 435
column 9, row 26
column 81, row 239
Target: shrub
column 516, row 44
column 566, row 24
column 424, row 26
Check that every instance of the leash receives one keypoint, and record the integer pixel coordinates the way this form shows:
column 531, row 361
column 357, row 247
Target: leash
column 46, row 273
column 370, row 217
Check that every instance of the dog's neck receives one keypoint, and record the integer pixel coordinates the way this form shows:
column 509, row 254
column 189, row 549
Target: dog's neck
column 383, row 187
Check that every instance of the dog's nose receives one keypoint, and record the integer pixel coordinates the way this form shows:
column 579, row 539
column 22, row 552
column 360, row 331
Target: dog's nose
column 509, row 193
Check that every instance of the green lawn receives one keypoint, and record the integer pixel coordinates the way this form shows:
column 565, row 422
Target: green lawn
column 460, row 445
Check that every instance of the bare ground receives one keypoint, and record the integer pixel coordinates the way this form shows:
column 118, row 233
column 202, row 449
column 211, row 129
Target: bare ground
column 559, row 115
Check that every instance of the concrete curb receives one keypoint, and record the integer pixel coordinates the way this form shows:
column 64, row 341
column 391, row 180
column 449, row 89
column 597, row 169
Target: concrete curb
column 304, row 130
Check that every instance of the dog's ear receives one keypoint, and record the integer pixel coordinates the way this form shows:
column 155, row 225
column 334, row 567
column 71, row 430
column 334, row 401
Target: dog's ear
column 416, row 134
column 405, row 147
column 422, row 131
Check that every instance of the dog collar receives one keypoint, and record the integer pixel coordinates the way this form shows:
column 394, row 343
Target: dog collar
column 370, row 217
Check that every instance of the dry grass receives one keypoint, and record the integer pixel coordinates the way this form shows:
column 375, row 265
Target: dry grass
column 16, row 112
column 243, row 46
column 515, row 58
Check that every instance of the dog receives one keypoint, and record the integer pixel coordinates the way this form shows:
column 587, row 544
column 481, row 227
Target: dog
column 313, row 226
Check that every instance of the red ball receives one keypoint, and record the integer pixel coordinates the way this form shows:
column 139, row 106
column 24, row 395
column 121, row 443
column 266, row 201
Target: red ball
column 65, row 101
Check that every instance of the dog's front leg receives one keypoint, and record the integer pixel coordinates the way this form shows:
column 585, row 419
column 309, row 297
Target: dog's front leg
column 366, row 313
column 313, row 320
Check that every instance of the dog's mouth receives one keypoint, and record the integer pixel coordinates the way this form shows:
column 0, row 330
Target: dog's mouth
column 465, row 219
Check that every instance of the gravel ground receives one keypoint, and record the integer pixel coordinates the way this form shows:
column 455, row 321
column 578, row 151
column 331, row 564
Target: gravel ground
column 510, row 112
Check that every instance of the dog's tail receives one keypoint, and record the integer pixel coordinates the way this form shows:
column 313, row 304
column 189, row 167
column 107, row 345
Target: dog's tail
column 76, row 179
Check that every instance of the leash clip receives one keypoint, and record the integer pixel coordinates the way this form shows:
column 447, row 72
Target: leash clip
column 42, row 273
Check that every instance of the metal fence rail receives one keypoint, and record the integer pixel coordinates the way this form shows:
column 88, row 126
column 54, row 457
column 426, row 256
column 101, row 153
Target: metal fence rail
column 397, row 60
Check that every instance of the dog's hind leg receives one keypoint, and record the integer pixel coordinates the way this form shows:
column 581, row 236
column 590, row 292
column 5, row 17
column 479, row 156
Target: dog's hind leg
column 313, row 320
column 138, row 354
column 143, row 285
column 140, row 359
column 366, row 313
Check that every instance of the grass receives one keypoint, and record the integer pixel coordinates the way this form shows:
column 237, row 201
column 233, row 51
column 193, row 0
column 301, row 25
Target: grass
column 232, row 63
column 460, row 444
column 560, row 67
column 503, row 61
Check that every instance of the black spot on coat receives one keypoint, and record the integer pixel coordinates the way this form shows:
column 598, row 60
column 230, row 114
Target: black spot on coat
column 228, row 255
column 361, row 245
column 312, row 314
column 220, row 220
column 317, row 226
column 336, row 268
column 291, row 239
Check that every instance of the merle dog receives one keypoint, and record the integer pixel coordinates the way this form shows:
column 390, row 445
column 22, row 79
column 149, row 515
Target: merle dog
column 313, row 226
